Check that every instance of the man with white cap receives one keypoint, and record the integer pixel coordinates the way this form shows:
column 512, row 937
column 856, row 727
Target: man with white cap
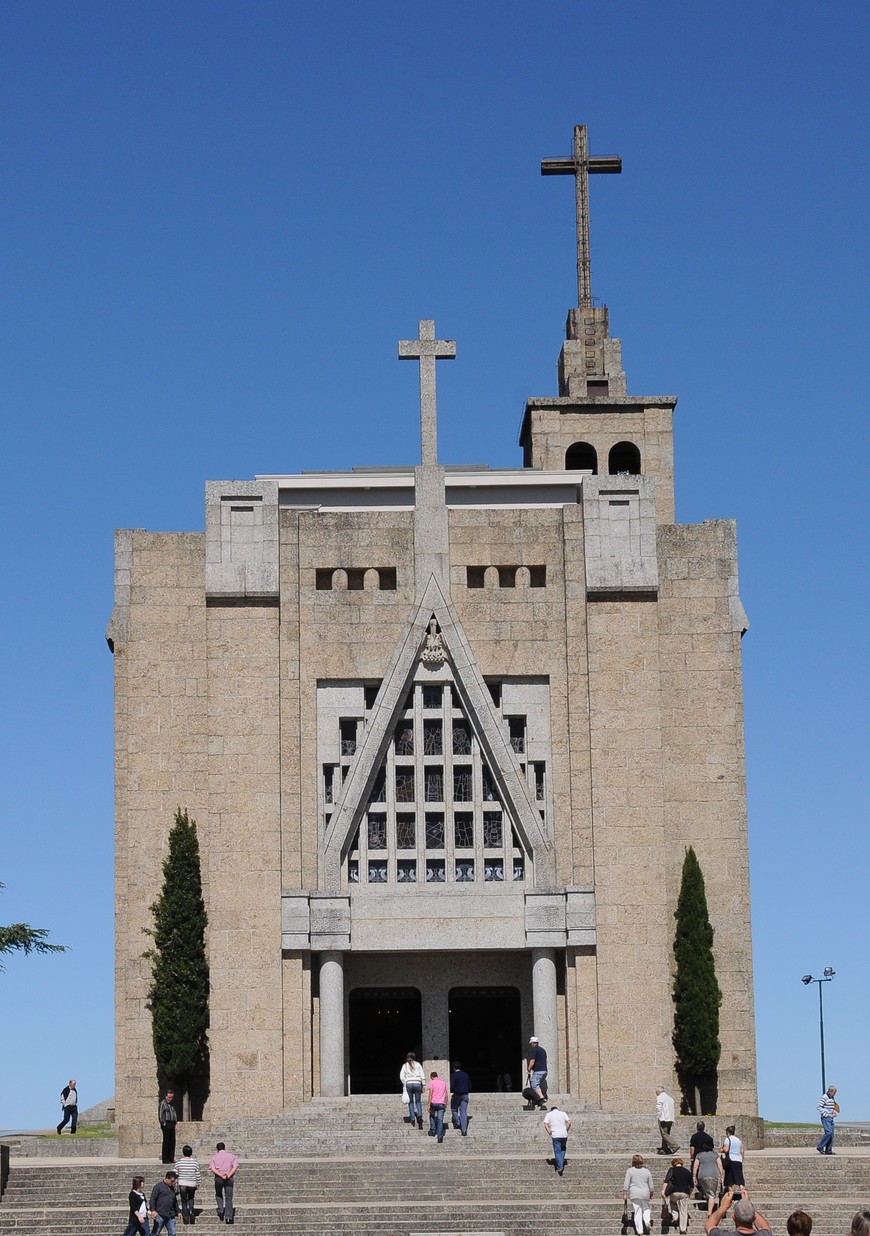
column 536, row 1069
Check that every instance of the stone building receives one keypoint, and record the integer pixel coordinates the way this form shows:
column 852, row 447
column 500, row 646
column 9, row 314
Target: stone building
column 446, row 733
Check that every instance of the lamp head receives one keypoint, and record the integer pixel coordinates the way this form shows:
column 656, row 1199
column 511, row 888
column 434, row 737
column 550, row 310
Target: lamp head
column 807, row 978
column 828, row 972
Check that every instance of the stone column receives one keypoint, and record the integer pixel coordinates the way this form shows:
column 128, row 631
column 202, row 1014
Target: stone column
column 544, row 1002
column 332, row 1077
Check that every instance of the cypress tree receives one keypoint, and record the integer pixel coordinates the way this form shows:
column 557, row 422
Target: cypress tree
column 696, row 995
column 178, row 998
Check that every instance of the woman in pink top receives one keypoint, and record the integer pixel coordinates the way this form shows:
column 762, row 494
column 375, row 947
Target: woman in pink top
column 437, row 1102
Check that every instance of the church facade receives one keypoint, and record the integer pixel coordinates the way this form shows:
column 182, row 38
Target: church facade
column 446, row 733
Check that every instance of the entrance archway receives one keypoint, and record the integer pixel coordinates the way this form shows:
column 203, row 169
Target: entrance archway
column 384, row 1024
column 485, row 1034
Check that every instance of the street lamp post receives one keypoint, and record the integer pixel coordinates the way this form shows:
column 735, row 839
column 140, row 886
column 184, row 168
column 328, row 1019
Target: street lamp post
column 827, row 975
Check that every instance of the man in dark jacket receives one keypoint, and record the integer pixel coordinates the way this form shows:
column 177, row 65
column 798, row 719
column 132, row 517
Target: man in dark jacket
column 163, row 1206
column 168, row 1117
column 69, row 1101
column 460, row 1089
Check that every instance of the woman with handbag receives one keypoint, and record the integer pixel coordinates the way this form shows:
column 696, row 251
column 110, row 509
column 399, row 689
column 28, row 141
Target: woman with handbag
column 676, row 1192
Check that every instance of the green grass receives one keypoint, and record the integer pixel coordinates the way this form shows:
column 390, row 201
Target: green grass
column 779, row 1124
column 95, row 1130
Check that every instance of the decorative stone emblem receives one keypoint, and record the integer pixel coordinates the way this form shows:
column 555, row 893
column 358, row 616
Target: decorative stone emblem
column 433, row 653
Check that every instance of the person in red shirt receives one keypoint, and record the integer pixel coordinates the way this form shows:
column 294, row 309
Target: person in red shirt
column 437, row 1087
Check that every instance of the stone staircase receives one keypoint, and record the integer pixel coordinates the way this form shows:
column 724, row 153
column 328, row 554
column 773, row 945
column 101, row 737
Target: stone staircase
column 343, row 1167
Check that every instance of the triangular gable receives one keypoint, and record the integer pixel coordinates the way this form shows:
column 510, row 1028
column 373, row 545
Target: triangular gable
column 504, row 766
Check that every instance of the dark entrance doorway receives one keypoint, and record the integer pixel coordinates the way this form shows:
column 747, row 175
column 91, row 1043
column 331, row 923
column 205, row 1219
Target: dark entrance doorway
column 385, row 1023
column 485, row 1035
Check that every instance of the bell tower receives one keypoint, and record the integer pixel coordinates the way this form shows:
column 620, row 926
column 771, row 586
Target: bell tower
column 594, row 427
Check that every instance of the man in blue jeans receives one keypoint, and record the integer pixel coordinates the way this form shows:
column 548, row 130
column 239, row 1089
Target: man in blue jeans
column 460, row 1089
column 557, row 1123
column 163, row 1206
column 828, row 1109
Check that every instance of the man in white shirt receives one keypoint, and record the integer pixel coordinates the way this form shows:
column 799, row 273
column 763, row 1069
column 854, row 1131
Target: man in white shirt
column 665, row 1113
column 557, row 1123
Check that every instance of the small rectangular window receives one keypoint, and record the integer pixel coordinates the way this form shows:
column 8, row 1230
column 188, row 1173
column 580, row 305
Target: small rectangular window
column 463, row 832
column 475, row 576
column 387, row 579
column 378, row 871
column 507, row 577
column 434, row 832
column 434, row 785
column 353, row 871
column 404, row 738
column 356, row 579
column 464, row 870
column 379, row 789
column 493, row 869
column 435, row 871
column 539, row 781
column 377, row 832
column 462, row 783
column 406, row 871
column 537, row 577
column 327, row 783
column 404, row 785
column 490, row 793
column 519, row 869
column 517, row 730
column 433, row 738
column 323, row 580
column 494, row 689
column 347, row 734
column 371, row 694
column 493, row 832
column 406, row 832
column 461, row 738
column 432, row 697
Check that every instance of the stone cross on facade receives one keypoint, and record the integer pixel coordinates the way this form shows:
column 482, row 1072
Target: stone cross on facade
column 427, row 349
column 580, row 166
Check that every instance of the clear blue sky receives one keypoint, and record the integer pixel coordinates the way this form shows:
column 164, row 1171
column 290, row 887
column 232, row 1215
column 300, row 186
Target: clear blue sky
column 217, row 220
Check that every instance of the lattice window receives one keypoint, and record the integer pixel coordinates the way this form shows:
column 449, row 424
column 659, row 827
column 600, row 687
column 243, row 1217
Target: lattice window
column 463, row 831
column 493, row 833
column 464, row 835
column 327, row 783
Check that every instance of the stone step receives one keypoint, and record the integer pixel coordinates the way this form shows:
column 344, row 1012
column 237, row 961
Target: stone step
column 513, row 1217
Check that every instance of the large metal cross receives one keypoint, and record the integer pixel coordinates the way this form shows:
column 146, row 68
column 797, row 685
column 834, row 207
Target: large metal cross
column 580, row 167
column 427, row 349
